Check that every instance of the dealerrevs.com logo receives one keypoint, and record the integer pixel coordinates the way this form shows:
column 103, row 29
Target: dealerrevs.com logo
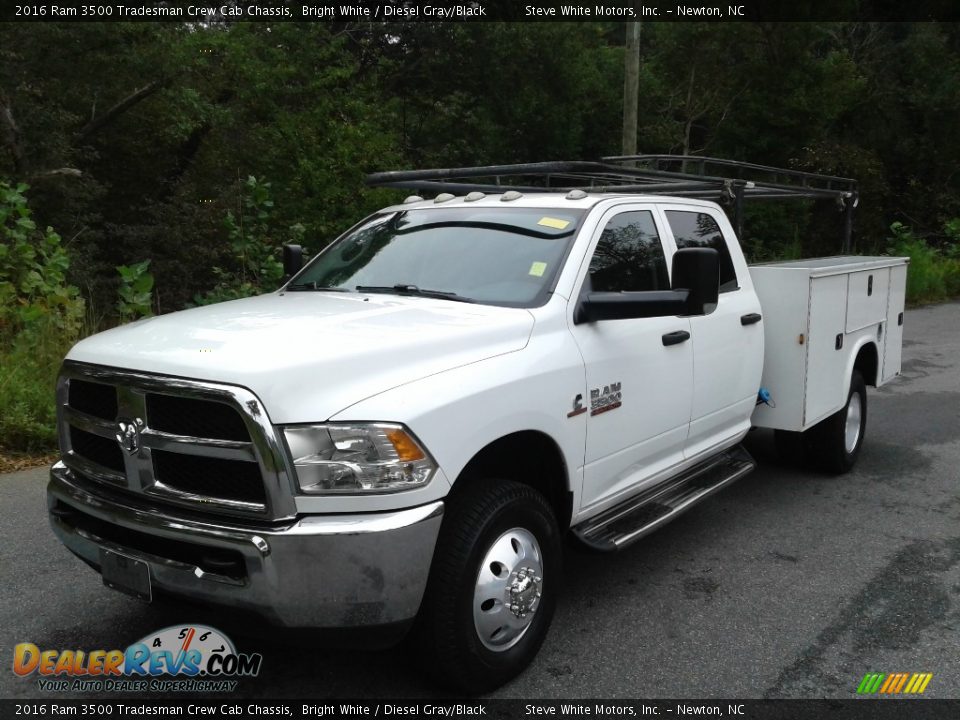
column 180, row 658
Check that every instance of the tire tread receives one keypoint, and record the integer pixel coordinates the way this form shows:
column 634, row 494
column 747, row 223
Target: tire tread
column 827, row 438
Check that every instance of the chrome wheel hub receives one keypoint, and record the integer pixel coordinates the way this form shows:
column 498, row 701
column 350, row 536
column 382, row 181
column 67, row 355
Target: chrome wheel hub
column 852, row 428
column 508, row 589
column 524, row 592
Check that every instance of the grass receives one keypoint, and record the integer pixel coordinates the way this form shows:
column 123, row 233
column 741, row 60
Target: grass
column 933, row 276
column 28, row 376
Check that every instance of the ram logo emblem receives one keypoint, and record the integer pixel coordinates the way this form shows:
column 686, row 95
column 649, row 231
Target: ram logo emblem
column 128, row 435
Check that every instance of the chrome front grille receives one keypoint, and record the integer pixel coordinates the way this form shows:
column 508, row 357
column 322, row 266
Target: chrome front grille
column 201, row 445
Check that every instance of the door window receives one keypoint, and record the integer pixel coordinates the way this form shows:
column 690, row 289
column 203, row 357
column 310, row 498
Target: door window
column 699, row 230
column 629, row 256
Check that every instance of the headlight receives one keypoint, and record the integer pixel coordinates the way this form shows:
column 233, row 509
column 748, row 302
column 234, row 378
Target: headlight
column 362, row 458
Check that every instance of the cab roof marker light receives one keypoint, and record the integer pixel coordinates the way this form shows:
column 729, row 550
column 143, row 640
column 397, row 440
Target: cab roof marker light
column 443, row 197
column 576, row 195
column 412, row 199
column 474, row 196
column 511, row 195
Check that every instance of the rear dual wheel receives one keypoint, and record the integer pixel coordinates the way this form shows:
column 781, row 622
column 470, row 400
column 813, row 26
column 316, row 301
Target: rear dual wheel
column 832, row 444
column 837, row 440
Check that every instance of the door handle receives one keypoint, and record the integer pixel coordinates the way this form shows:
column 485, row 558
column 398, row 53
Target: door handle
column 675, row 338
column 750, row 318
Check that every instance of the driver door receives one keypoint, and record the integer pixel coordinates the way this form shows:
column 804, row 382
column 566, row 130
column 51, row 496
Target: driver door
column 639, row 372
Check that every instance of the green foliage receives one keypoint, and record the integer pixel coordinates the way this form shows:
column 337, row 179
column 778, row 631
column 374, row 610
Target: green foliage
column 314, row 107
column 521, row 92
column 33, row 265
column 40, row 317
column 951, row 258
column 775, row 231
column 135, row 293
column 933, row 274
column 28, row 380
column 254, row 267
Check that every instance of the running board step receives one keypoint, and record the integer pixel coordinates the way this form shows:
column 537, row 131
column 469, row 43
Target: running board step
column 641, row 514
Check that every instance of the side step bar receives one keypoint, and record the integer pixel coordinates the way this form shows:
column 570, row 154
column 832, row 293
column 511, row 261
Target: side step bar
column 641, row 514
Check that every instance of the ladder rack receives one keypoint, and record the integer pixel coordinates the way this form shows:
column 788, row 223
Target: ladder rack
column 728, row 181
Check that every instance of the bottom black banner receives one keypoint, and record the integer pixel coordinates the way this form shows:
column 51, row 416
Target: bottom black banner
column 861, row 709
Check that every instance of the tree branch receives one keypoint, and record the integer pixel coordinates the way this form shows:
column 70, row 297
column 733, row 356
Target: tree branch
column 121, row 107
column 58, row 172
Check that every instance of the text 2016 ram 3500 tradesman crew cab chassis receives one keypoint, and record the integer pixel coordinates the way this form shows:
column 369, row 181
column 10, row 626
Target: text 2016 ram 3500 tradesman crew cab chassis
column 400, row 436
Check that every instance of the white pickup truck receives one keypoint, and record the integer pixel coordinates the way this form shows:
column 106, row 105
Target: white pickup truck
column 401, row 435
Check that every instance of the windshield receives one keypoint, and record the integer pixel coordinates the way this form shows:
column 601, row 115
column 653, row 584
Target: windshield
column 496, row 256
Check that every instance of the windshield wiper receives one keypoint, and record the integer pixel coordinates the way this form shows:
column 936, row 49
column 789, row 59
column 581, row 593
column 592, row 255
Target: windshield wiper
column 312, row 285
column 402, row 289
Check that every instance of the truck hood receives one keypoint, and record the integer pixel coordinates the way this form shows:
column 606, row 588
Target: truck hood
column 309, row 355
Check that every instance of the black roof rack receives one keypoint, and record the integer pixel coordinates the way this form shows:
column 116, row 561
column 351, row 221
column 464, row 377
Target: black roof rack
column 728, row 181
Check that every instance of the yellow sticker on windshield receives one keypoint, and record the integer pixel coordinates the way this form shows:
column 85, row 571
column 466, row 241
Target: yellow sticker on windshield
column 537, row 269
column 555, row 223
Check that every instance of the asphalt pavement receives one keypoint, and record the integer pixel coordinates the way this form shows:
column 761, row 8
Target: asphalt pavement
column 789, row 584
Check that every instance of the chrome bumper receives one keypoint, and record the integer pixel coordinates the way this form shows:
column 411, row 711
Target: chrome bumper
column 324, row 571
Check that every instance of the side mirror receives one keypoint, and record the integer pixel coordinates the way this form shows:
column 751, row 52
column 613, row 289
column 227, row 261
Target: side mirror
column 292, row 260
column 630, row 305
column 694, row 291
column 697, row 271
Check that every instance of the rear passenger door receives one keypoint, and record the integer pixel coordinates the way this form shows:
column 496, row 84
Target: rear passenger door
column 728, row 342
column 638, row 371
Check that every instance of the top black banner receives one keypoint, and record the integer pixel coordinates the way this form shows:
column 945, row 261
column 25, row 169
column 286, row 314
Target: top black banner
column 389, row 11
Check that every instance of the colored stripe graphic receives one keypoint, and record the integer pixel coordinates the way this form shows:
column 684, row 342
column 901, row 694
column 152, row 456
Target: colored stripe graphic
column 894, row 683
column 870, row 683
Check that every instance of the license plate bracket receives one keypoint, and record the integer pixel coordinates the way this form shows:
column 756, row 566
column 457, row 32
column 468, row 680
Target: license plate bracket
column 126, row 574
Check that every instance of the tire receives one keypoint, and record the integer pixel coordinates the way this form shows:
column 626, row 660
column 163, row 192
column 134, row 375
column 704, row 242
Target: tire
column 491, row 535
column 836, row 441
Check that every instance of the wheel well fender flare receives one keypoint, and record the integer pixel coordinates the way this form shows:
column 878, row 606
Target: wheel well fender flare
column 866, row 359
column 530, row 457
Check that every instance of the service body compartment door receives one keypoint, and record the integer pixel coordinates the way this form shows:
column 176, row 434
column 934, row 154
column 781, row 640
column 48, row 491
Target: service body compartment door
column 893, row 345
column 867, row 298
column 826, row 374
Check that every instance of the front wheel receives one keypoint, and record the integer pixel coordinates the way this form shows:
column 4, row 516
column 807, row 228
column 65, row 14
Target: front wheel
column 836, row 441
column 493, row 585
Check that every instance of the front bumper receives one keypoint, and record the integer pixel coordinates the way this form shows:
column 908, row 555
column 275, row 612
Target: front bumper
column 324, row 571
